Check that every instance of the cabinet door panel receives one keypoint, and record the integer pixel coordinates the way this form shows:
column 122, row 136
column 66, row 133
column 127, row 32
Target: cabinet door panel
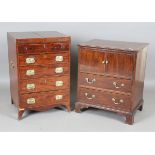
column 120, row 64
column 91, row 61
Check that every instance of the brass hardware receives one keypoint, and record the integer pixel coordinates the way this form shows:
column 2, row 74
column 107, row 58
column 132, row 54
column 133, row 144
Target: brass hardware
column 105, row 62
column 116, row 85
column 90, row 82
column 12, row 65
column 59, row 83
column 30, row 72
column 90, row 98
column 31, row 101
column 30, row 86
column 59, row 58
column 59, row 70
column 20, row 109
column 117, row 102
column 30, row 60
column 58, row 97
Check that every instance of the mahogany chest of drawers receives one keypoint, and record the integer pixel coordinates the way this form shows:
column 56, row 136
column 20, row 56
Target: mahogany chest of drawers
column 39, row 70
column 111, row 76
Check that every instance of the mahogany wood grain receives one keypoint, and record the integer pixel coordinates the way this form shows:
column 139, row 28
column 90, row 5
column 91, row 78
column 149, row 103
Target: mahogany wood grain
column 42, row 71
column 43, row 47
column 44, row 84
column 43, row 59
column 44, row 99
column 108, row 62
column 105, row 82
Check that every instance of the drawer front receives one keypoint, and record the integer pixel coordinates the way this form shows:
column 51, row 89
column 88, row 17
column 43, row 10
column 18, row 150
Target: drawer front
column 31, row 48
column 24, row 60
column 27, row 72
column 99, row 81
column 43, row 47
column 44, row 98
column 108, row 100
column 62, row 46
column 44, row 84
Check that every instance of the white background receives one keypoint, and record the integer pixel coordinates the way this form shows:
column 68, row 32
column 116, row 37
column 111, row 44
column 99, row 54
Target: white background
column 77, row 143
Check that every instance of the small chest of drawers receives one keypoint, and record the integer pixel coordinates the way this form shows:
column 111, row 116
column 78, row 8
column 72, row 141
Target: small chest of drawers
column 39, row 70
column 111, row 76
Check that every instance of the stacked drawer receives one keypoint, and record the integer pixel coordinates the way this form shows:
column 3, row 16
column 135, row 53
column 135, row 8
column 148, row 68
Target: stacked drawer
column 39, row 70
column 101, row 83
column 44, row 71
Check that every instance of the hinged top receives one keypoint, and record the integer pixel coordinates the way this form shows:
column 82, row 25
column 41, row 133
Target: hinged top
column 36, row 36
column 120, row 45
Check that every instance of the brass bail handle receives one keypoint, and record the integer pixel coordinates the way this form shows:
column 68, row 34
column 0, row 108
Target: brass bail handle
column 90, row 81
column 91, row 96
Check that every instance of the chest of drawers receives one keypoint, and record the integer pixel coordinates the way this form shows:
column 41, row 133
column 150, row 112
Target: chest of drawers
column 39, row 70
column 111, row 76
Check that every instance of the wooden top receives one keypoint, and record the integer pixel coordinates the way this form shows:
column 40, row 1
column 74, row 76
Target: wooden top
column 35, row 36
column 120, row 45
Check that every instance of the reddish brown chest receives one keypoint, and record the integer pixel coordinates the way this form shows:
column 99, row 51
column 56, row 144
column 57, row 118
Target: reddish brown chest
column 107, row 76
column 39, row 70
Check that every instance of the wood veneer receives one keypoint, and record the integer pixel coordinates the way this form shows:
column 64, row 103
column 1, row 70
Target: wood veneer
column 39, row 70
column 111, row 76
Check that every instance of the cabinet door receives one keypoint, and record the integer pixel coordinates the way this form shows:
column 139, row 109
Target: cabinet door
column 120, row 64
column 91, row 61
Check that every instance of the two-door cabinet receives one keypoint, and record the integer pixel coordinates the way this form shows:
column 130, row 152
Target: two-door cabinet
column 39, row 70
column 111, row 76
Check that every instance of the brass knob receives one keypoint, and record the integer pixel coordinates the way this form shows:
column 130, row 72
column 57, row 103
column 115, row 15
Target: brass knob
column 105, row 62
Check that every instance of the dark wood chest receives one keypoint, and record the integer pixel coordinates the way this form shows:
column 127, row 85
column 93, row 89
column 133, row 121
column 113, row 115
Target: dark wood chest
column 39, row 70
column 111, row 76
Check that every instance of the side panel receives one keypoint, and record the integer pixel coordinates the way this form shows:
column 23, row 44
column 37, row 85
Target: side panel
column 138, row 84
column 13, row 70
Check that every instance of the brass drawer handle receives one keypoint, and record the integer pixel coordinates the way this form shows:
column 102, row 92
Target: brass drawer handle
column 116, row 85
column 59, row 70
column 30, row 60
column 90, row 82
column 89, row 98
column 31, row 101
column 59, row 58
column 59, row 83
column 105, row 62
column 30, row 86
column 117, row 101
column 58, row 97
column 30, row 72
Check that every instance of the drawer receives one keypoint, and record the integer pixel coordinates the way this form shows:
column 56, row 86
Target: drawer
column 44, row 99
column 42, row 47
column 54, row 58
column 62, row 46
column 103, row 82
column 31, row 48
column 44, row 84
column 105, row 99
column 27, row 72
